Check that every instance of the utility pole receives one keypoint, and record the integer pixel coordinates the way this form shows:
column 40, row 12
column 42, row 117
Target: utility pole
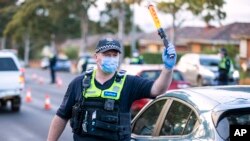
column 133, row 33
column 84, row 26
column 26, row 48
column 121, row 26
column 3, row 43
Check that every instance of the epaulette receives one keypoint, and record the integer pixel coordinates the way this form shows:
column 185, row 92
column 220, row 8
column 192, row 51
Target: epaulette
column 120, row 75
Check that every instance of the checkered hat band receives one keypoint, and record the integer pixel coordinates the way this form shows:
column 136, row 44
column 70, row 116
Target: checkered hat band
column 107, row 46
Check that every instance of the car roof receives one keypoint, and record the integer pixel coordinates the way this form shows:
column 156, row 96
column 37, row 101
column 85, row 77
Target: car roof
column 196, row 55
column 6, row 54
column 210, row 56
column 207, row 98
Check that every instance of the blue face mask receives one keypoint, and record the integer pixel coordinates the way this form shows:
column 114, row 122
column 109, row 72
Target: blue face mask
column 109, row 64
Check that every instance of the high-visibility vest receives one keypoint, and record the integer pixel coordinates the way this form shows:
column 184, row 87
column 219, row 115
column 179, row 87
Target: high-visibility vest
column 112, row 92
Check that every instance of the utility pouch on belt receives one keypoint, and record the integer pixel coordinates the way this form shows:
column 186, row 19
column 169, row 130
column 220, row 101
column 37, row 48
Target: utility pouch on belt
column 105, row 126
column 109, row 118
column 106, row 116
column 76, row 121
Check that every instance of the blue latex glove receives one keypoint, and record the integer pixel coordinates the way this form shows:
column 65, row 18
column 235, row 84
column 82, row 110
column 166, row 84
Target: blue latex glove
column 169, row 63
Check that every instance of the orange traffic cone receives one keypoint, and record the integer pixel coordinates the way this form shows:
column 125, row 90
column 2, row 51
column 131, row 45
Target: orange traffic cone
column 59, row 82
column 47, row 105
column 28, row 96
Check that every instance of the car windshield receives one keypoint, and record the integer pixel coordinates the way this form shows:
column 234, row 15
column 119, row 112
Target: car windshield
column 7, row 64
column 210, row 62
column 154, row 74
column 236, row 118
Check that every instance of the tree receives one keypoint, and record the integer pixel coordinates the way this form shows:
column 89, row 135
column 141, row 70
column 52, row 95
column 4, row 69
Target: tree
column 110, row 16
column 209, row 10
column 134, row 28
column 23, row 25
column 118, row 18
column 51, row 21
column 7, row 9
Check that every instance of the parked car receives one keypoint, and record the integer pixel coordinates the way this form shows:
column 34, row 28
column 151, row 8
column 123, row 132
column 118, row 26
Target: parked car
column 178, row 82
column 201, row 69
column 44, row 63
column 62, row 64
column 12, row 81
column 193, row 114
column 91, row 63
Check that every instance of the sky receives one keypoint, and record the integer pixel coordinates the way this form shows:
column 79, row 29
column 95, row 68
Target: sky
column 237, row 11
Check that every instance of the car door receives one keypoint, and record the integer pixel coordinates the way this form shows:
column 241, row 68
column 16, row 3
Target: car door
column 179, row 123
column 144, row 125
column 175, row 121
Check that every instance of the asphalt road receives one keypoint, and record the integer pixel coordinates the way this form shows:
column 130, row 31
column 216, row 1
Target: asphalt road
column 33, row 120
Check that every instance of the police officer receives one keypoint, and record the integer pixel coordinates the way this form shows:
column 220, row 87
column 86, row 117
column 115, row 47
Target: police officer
column 224, row 67
column 137, row 59
column 98, row 102
column 52, row 64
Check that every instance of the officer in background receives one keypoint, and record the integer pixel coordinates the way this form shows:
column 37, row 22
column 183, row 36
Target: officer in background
column 52, row 64
column 137, row 58
column 224, row 68
column 85, row 64
column 98, row 102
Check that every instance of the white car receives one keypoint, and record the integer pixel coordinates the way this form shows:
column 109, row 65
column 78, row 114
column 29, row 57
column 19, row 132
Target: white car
column 45, row 63
column 202, row 69
column 12, row 81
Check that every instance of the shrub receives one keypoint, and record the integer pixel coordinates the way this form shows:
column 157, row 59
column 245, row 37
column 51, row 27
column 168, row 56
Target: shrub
column 155, row 58
column 71, row 52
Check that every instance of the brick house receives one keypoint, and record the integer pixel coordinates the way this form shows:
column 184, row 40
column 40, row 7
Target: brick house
column 244, row 51
column 197, row 39
column 188, row 39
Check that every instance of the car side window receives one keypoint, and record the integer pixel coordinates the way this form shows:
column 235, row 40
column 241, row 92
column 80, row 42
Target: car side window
column 145, row 124
column 151, row 75
column 180, row 120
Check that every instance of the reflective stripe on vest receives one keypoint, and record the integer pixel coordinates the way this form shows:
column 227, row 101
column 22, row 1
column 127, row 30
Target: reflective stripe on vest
column 113, row 92
column 222, row 63
column 135, row 60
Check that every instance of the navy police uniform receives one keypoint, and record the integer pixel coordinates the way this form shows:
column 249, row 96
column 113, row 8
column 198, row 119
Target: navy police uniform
column 134, row 88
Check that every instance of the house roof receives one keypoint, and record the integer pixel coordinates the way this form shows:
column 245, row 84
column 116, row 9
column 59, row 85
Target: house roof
column 207, row 35
column 91, row 41
column 228, row 34
column 221, row 35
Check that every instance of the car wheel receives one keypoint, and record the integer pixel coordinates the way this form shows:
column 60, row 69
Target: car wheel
column 15, row 108
column 199, row 81
column 15, row 104
column 3, row 103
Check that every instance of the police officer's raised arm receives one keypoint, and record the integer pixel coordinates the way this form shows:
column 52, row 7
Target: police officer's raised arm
column 162, row 83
